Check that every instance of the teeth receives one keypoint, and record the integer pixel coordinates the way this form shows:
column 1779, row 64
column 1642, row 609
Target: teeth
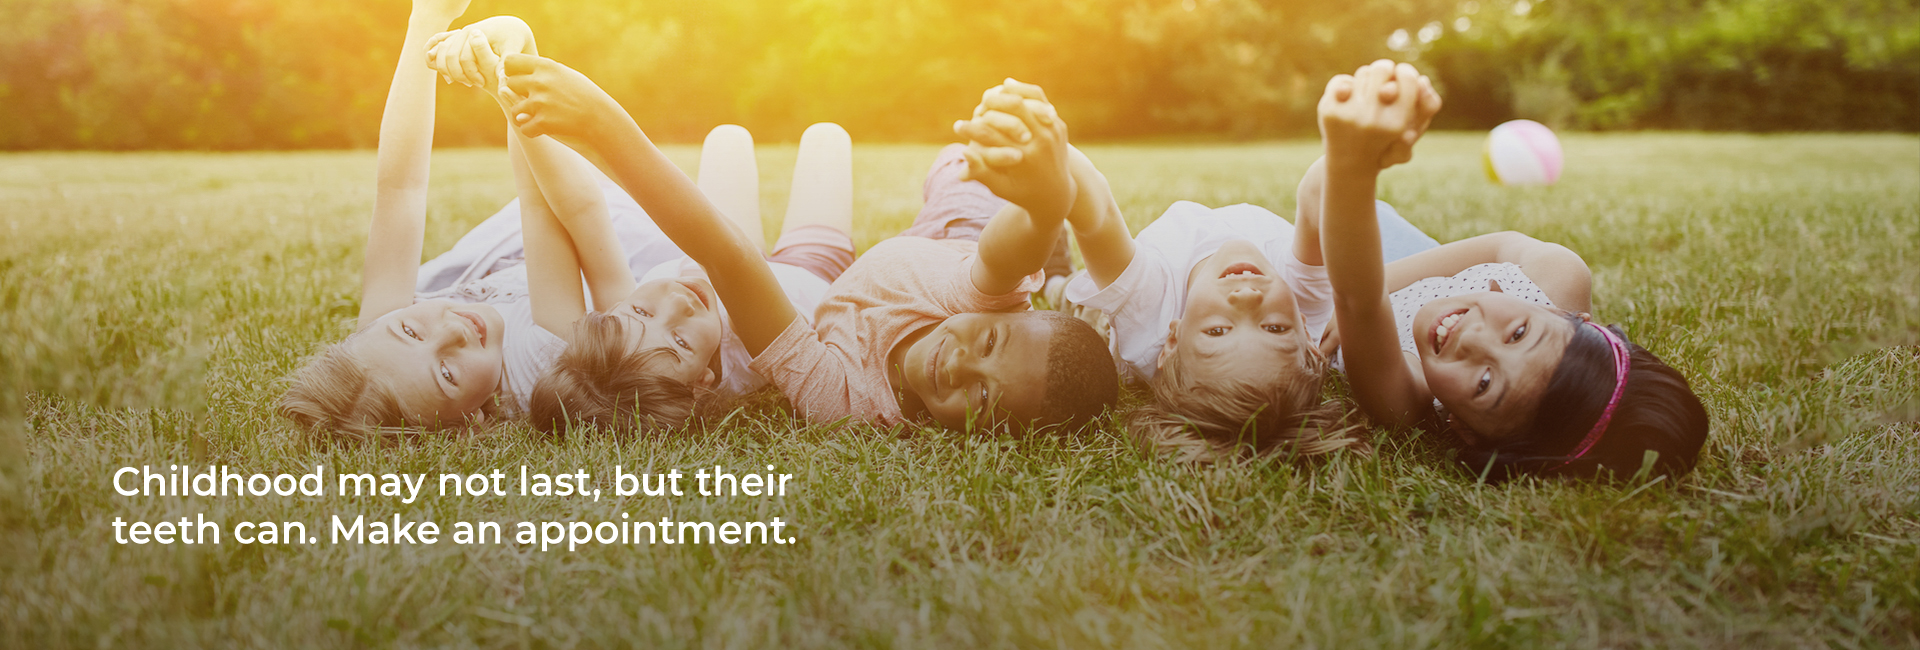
column 1444, row 328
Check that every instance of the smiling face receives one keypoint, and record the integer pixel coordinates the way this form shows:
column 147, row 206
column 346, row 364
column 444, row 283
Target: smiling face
column 1241, row 322
column 992, row 365
column 680, row 317
column 441, row 361
column 1488, row 357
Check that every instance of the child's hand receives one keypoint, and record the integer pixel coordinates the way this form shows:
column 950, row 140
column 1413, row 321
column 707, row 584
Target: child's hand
column 558, row 101
column 1018, row 148
column 1360, row 126
column 472, row 55
column 1428, row 106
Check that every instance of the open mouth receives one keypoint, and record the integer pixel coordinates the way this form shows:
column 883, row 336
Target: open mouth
column 1241, row 269
column 1443, row 329
column 933, row 364
column 479, row 326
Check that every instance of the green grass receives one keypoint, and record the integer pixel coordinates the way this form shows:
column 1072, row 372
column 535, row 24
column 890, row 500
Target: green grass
column 151, row 301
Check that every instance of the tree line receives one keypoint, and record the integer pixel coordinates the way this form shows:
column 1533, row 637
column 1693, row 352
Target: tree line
column 266, row 74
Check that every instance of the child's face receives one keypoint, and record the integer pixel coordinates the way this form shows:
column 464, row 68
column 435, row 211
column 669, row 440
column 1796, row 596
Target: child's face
column 1488, row 357
column 1240, row 320
column 993, row 365
column 680, row 316
column 441, row 360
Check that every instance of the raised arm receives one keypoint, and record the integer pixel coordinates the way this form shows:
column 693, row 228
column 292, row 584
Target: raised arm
column 1308, row 200
column 1039, row 185
column 394, row 238
column 564, row 185
column 563, row 103
column 1358, row 132
column 1105, row 243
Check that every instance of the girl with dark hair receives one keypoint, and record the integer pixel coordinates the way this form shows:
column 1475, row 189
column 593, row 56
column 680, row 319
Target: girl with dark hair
column 1493, row 336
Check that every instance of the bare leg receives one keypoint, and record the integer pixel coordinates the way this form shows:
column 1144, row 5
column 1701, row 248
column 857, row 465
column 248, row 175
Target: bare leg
column 731, row 180
column 822, row 180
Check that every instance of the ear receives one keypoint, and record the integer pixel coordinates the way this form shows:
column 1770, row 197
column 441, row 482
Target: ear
column 707, row 379
column 1173, row 341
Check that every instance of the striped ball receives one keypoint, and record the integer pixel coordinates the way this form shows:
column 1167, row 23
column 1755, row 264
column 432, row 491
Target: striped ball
column 1523, row 152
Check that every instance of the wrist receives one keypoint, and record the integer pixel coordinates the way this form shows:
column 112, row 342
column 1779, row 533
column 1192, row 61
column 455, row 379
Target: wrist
column 1350, row 164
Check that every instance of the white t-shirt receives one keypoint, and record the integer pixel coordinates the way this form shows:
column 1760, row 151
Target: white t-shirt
column 1152, row 292
column 805, row 289
column 527, row 349
column 1408, row 301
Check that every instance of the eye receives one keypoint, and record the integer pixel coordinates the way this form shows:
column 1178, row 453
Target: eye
column 1214, row 331
column 409, row 331
column 1518, row 333
column 1486, row 379
column 992, row 337
column 983, row 396
column 447, row 374
column 1276, row 329
column 682, row 342
column 642, row 312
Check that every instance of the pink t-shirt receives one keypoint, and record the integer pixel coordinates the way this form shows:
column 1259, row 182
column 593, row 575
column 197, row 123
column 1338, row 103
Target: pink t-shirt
column 837, row 367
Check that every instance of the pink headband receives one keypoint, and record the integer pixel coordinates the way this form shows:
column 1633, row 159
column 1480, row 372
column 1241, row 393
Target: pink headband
column 1622, row 361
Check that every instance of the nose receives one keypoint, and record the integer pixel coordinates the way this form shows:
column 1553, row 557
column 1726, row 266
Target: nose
column 1473, row 345
column 455, row 331
column 689, row 305
column 960, row 365
column 1245, row 298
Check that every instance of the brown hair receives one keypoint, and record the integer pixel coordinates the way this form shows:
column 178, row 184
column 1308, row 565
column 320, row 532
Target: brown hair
column 1194, row 419
column 332, row 393
column 600, row 381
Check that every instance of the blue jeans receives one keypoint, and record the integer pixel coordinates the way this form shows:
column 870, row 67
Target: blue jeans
column 1398, row 238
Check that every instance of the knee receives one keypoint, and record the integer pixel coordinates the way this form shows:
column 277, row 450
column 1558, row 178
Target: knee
column 825, row 133
column 729, row 135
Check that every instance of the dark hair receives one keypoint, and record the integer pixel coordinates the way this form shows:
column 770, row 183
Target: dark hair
column 1195, row 418
column 600, row 381
column 1657, row 412
column 1081, row 379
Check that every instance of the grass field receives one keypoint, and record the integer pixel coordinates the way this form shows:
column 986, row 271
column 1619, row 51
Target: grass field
column 152, row 301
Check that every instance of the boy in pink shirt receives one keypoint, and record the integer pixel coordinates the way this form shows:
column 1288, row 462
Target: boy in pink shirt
column 948, row 348
column 916, row 329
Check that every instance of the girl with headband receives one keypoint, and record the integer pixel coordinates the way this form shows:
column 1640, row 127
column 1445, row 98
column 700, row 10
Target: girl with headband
column 1490, row 336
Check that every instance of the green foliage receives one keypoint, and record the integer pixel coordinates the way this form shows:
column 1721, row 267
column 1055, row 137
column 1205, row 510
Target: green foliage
column 256, row 74
column 243, row 74
column 152, row 301
column 1756, row 65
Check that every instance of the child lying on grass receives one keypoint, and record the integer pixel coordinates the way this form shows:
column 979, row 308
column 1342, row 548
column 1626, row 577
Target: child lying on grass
column 1503, row 352
column 647, row 360
column 918, row 328
column 1219, row 310
column 469, row 340
column 517, row 277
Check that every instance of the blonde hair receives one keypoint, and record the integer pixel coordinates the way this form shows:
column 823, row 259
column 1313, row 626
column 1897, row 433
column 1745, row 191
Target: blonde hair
column 332, row 393
column 1193, row 419
column 600, row 381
